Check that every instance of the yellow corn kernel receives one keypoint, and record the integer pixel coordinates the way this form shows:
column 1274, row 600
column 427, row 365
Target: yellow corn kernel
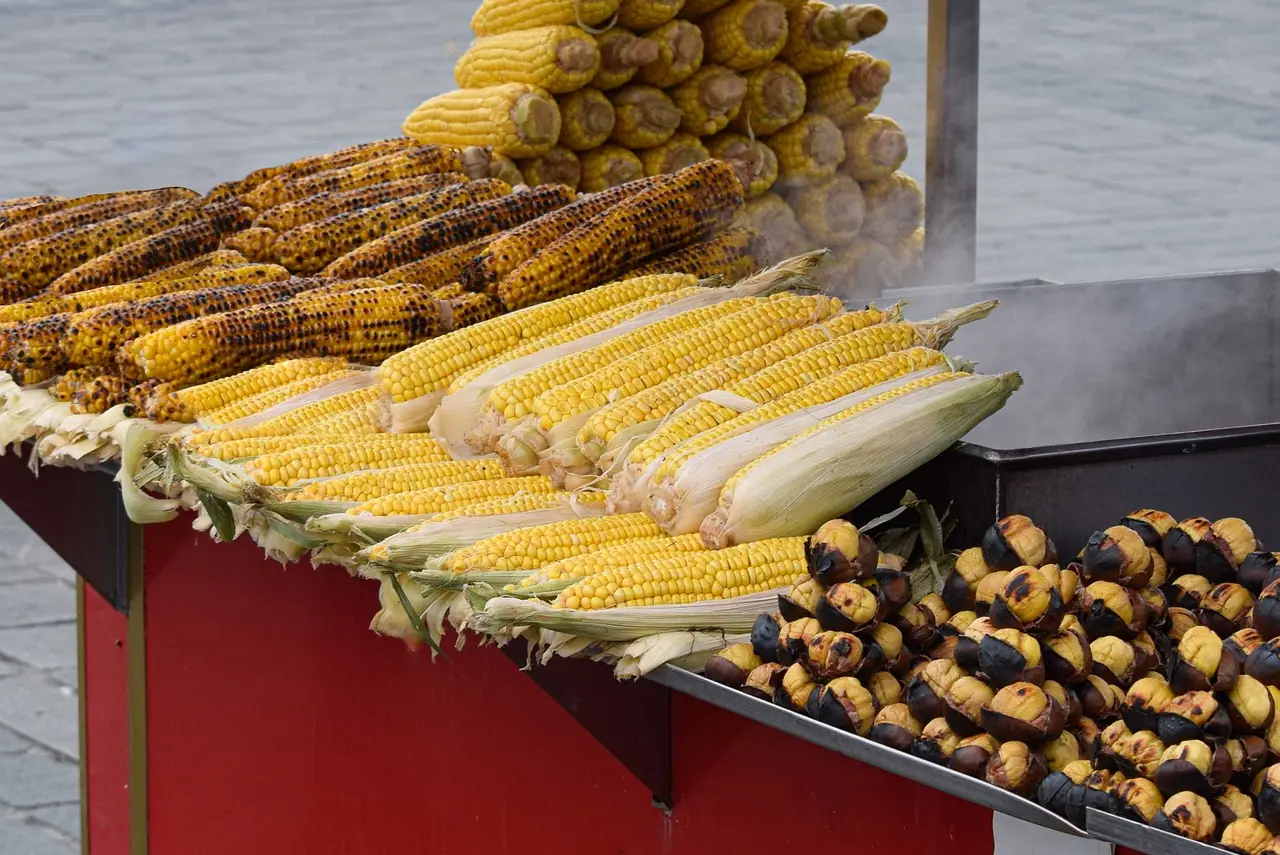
column 254, row 446
column 622, row 52
column 643, row 116
column 531, row 548
column 367, row 420
column 435, row 500
column 99, row 394
column 611, row 558
column 745, row 34
column 295, row 420
column 521, row 503
column 819, row 34
column 809, row 149
column 848, row 91
column 369, row 485
column 679, row 54
column 830, row 211
column 608, row 166
column 557, row 58
column 139, row 258
column 673, row 155
column 754, row 162
column 647, row 14
column 516, row 119
column 895, row 208
column 439, row 268
column 586, row 120
column 321, row 206
column 316, row 163
column 211, row 396
column 327, row 459
column 775, row 98
column 405, row 163
column 268, row 398
column 504, row 16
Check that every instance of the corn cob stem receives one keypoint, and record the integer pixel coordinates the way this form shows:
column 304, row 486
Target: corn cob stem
column 558, row 166
column 621, row 54
column 678, row 55
column 819, row 34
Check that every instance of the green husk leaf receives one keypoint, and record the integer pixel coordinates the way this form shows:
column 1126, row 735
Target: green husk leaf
column 220, row 512
column 414, row 618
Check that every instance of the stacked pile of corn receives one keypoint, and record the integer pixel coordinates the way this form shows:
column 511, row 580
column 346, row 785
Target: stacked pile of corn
column 771, row 86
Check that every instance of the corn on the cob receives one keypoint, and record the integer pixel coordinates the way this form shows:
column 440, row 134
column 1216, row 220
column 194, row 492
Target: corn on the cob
column 312, row 164
column 909, row 251
column 519, row 504
column 532, row 548
column 30, row 207
column 298, row 420
column 862, row 270
column 679, row 54
column 268, row 398
column 514, row 247
column 66, row 384
column 375, row 483
column 698, row 201
column 680, row 151
column 311, row 246
column 515, row 119
column 773, row 217
column 647, row 14
column 557, row 58
column 848, row 91
column 745, row 34
column 819, row 34
column 429, row 367
column 216, row 394
column 732, row 255
column 31, row 350
column 156, row 401
column 99, row 394
column 776, row 97
column 255, row 243
column 608, row 166
column 809, row 149
column 505, row 169
column 892, row 434
column 466, row 309
column 694, row 9
column 435, row 500
column 183, row 269
column 325, row 460
column 504, row 16
column 439, row 268
column 610, row 558
column 586, row 119
column 12, row 291
column 830, row 211
column 20, row 202
column 449, row 230
column 622, row 52
column 874, row 148
column 895, row 208
column 321, row 206
column 254, row 446
column 365, row 325
column 138, row 258
column 709, row 99
column 558, row 166
column 643, row 116
column 408, row 163
column 754, row 162
column 94, row 212
column 94, row 336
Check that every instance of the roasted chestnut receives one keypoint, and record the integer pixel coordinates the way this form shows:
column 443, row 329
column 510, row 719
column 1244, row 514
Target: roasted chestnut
column 1023, row 712
column 1142, row 754
column 1179, row 621
column 1086, row 733
column 966, row 649
column 1097, row 700
column 1110, row 609
column 1111, row 746
column 1067, row 657
column 962, row 580
column 1179, row 544
column 838, row 552
column 763, row 681
column 916, row 625
column 1246, row 836
column 1146, row 656
column 833, row 654
column 1268, row 794
column 1099, row 792
column 1009, row 656
column 1157, row 606
column 1117, row 554
column 1200, row 663
column 1067, row 582
column 848, row 607
column 891, row 586
column 1066, row 699
column 964, row 702
column 1223, row 547
column 1113, row 659
column 1150, row 525
column 731, row 665
column 1140, row 799
column 844, row 703
column 1249, row 706
column 895, row 727
column 1159, row 569
column 933, row 604
column 1013, row 542
column 1016, row 768
column 1028, row 601
column 1187, row 815
column 1264, row 662
column 972, row 754
column 988, row 589
column 1266, row 611
column 885, row 644
column 1194, row 715
column 794, row 688
column 765, row 634
column 944, row 647
column 1193, row 765
column 1231, row 805
column 1144, row 701
column 1248, row 757
column 936, row 743
column 1062, row 791
column 927, row 690
column 1225, row 608
column 801, row 600
column 1188, row 590
column 957, row 623
column 1258, row 570
column 794, row 637
column 885, row 687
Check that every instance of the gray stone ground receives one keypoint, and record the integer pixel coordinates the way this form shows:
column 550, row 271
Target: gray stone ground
column 1117, row 140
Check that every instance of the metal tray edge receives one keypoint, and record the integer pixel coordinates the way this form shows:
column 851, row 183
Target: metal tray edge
column 1134, row 835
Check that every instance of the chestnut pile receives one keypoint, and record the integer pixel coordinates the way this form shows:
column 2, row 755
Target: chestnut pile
column 1142, row 679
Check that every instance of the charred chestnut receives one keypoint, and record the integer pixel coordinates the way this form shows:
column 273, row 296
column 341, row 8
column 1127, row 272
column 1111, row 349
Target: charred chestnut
column 1140, row 799
column 1149, row 525
column 1066, row 699
column 1194, row 766
column 933, row 604
column 794, row 688
column 1194, row 715
column 1187, row 815
column 962, row 580
column 1067, row 657
column 833, row 654
column 1199, row 663
column 927, row 690
column 1231, row 805
column 732, row 665
column 1179, row 544
column 987, row 591
column 793, row 639
column 973, row 753
column 1060, row 751
column 765, row 633
column 848, row 607
column 1144, row 702
column 844, row 703
column 1016, row 768
column 838, row 552
column 1264, row 662
column 1143, row 753
column 1066, row 582
column 964, row 702
column 936, row 743
column 1157, row 606
column 916, row 625
column 1097, row 700
column 1023, row 712
column 1249, row 705
column 1269, row 798
column 1109, row 609
column 1246, row 837
column 1146, row 655
column 892, row 588
column 1008, row 656
column 886, row 639
column 1258, row 570
column 1179, row 621
column 966, row 649
column 1117, row 554
column 1266, row 611
column 944, row 647
column 895, row 727
column 801, row 601
column 1028, row 601
column 1013, row 542
column 1113, row 659
column 1188, row 590
column 1062, row 791
column 1111, row 746
column 885, row 687
column 1099, row 792
column 1223, row 547
column 1248, row 757
column 763, row 681
column 1225, row 608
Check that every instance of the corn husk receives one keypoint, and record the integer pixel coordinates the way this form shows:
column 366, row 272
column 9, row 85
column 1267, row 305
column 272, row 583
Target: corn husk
column 827, row 473
column 688, row 650
column 140, row 507
column 348, row 383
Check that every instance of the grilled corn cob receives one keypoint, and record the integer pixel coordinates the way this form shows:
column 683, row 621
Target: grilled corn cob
column 183, row 269
column 328, row 459
column 504, row 16
column 709, row 99
column 621, row 54
column 673, row 155
column 775, row 98
column 465, row 309
column 831, row 211
column 423, row 160
column 774, row 219
column 31, row 351
column 18, row 203
column 94, row 212
column 586, row 119
column 679, row 54
column 255, row 243
column 609, row 558
column 30, row 207
column 321, row 206
column 895, row 208
column 427, row 237
column 515, row 119
column 99, row 394
column 365, row 325
column 643, row 116
column 139, row 258
column 745, row 34
column 608, row 166
column 268, row 398
column 216, row 394
column 436, row 500
column 819, row 34
column 65, row 386
column 732, row 255
column 647, row 14
column 754, row 162
column 428, row 368
column 439, row 268
column 557, row 58
column 529, row 549
column 12, row 291
column 699, row 199
column 848, row 91
column 809, row 149
column 311, row 246
column 156, row 401
column 558, row 166
column 314, row 163
column 512, row 248
column 375, row 483
column 874, row 148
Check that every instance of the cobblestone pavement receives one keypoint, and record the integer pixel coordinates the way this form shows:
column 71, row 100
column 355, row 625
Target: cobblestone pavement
column 1116, row 140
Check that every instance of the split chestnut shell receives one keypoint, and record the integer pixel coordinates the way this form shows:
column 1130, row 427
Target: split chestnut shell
column 732, row 665
column 838, row 552
column 1013, row 542
column 1117, row 554
column 1016, row 767
column 1028, row 601
column 1008, row 656
column 972, row 754
column 895, row 727
column 1187, row 815
column 1023, row 712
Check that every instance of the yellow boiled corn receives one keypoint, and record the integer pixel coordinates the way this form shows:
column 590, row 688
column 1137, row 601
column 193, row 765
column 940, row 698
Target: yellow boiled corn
column 819, row 34
column 516, row 119
column 643, row 116
column 519, row 504
column 504, row 16
column 608, row 166
column 709, row 99
column 775, row 98
column 622, row 52
column 809, row 149
column 449, row 497
column 268, row 398
column 848, row 91
column 531, row 548
column 673, row 155
column 206, row 397
column 895, row 208
column 586, row 120
column 679, row 54
column 831, row 211
column 745, row 34
column 503, row 167
column 874, row 148
column 647, row 14
column 372, row 484
column 772, row 216
column 755, row 163
column 295, row 420
column 325, row 460
column 557, row 58
column 610, row 558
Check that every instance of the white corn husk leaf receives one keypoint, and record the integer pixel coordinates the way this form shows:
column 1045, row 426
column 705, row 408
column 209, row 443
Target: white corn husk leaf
column 49, row 417
column 834, row 470
column 300, row 510
column 344, row 384
column 460, row 411
column 361, row 528
column 81, row 452
column 681, row 505
column 689, row 650
column 628, row 623
column 225, row 481
column 391, row 618
column 140, row 507
column 448, row 580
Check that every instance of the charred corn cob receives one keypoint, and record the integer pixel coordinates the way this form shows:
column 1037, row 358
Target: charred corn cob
column 31, row 349
column 673, row 155
column 312, row 164
column 255, row 242
column 268, row 398
column 709, row 99
column 504, row 16
column 321, row 206
column 831, row 211
column 372, row 484
column 42, row 260
column 608, row 166
column 647, row 14
column 325, row 460
column 732, row 255
column 424, row 238
column 12, row 291
column 139, row 258
column 436, row 500
column 30, row 207
column 754, row 162
column 311, row 246
column 301, row 419
column 557, row 58
column 775, row 98
column 586, row 119
column 515, row 119
column 679, row 54
column 558, row 166
column 531, row 548
column 156, row 401
column 819, row 34
column 848, row 91
column 216, row 394
column 610, row 558
column 643, row 116
column 700, row 200
column 20, row 202
column 512, row 248
column 408, row 163
column 183, row 269
column 745, row 34
column 895, row 208
column 622, row 52
column 365, row 325
column 862, row 270
column 809, row 149
column 466, row 309
column 439, row 268
column 99, row 394
column 775, row 220
column 692, row 577
column 430, row 366
column 65, row 386
column 874, row 148
column 94, row 212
